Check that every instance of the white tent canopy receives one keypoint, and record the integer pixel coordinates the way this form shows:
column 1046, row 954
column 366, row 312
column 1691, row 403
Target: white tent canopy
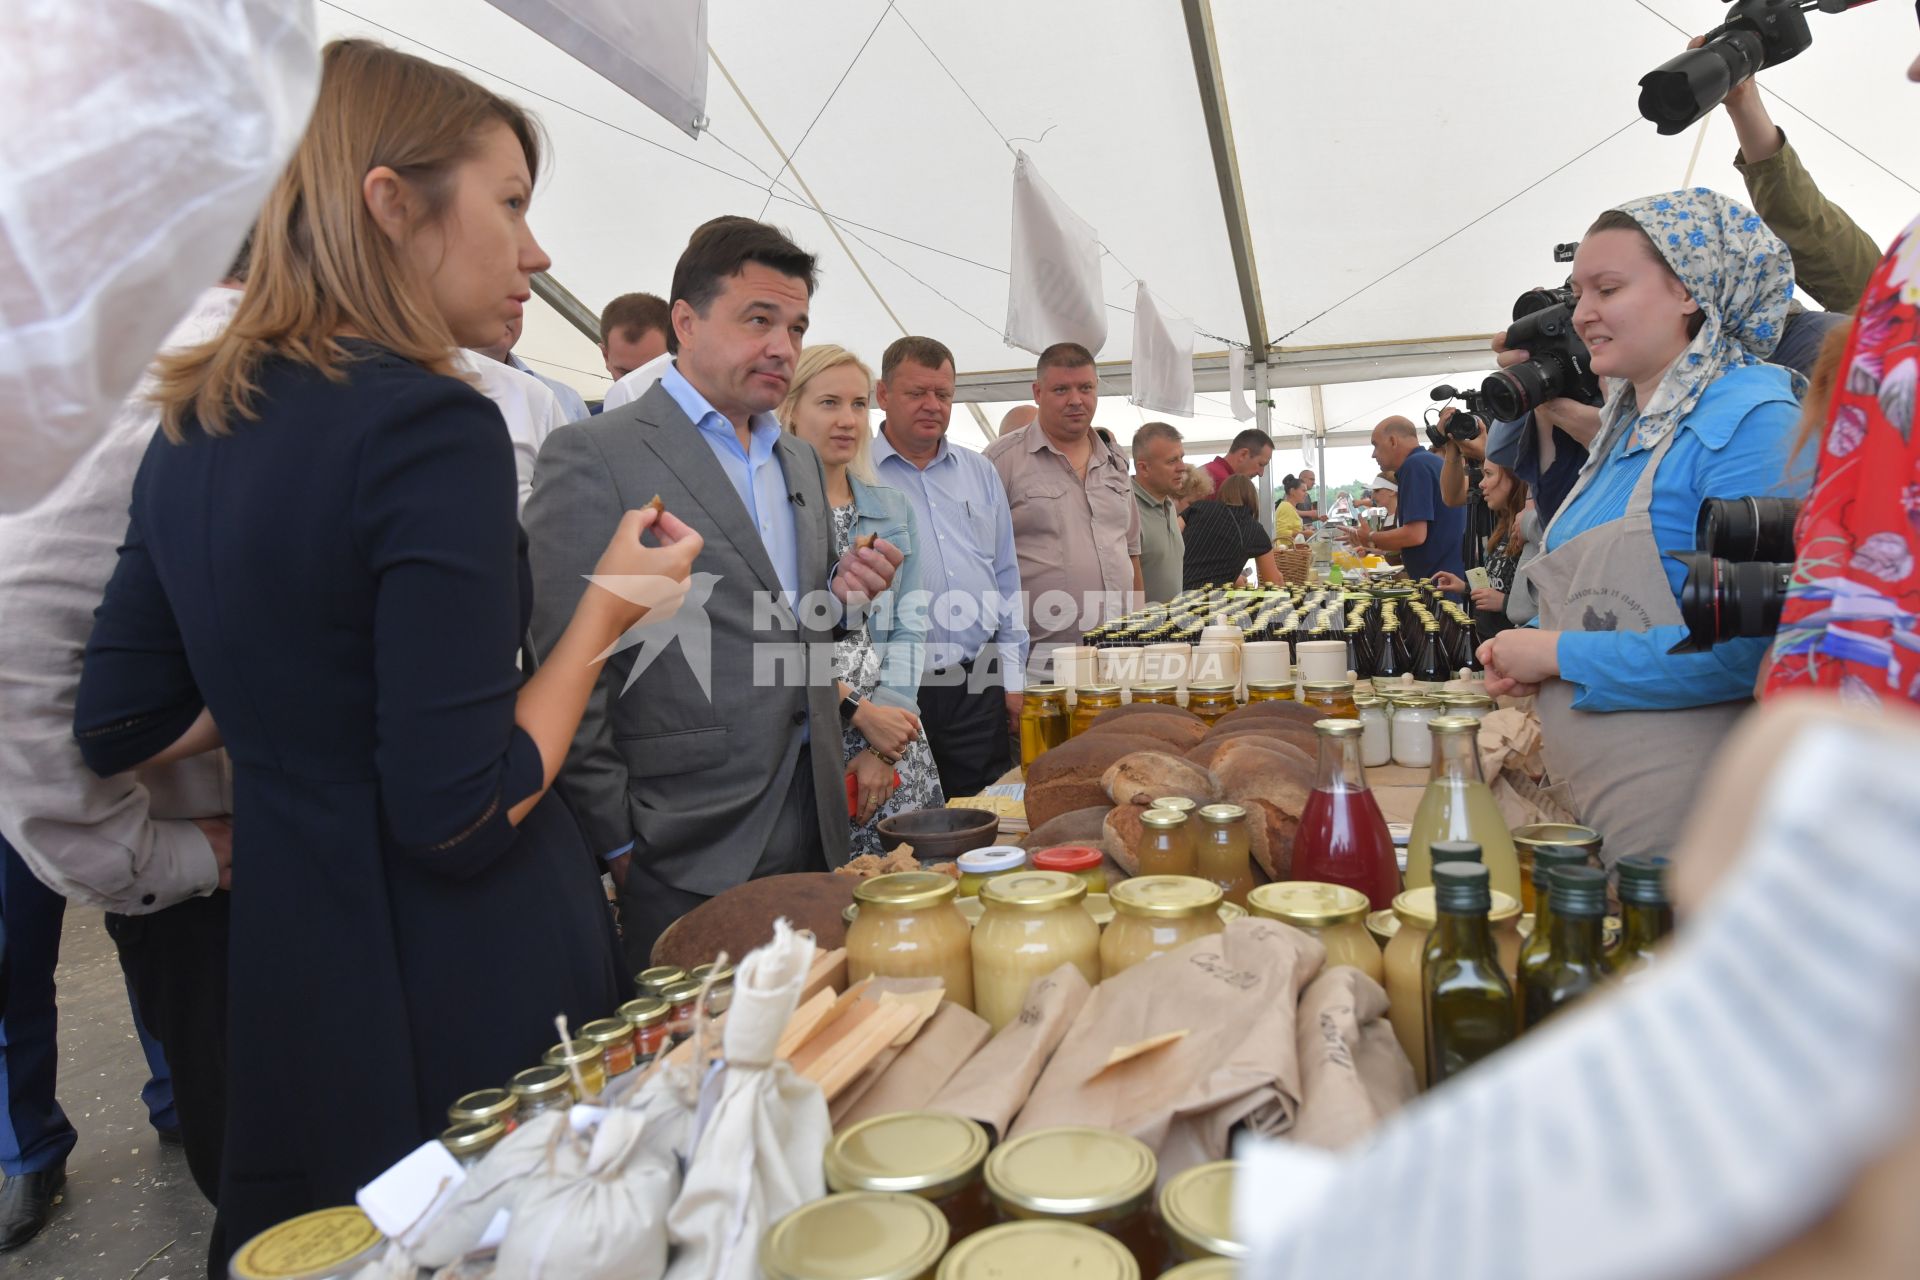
column 1407, row 165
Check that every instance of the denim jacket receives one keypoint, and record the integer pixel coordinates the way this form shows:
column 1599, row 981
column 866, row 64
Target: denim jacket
column 898, row 621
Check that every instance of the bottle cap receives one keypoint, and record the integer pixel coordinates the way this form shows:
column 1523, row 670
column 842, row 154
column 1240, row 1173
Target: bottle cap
column 1455, row 851
column 1462, row 889
column 1548, row 856
column 1578, row 891
column 1643, row 879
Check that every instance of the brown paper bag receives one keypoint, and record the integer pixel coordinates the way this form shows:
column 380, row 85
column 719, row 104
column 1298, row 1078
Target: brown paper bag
column 1353, row 1073
column 915, row 1076
column 995, row 1082
column 1234, row 994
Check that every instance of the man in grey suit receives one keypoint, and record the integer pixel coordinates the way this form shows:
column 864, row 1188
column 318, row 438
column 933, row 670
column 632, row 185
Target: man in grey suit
column 695, row 772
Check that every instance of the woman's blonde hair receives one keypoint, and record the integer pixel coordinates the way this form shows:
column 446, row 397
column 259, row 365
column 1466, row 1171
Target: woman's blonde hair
column 813, row 362
column 321, row 264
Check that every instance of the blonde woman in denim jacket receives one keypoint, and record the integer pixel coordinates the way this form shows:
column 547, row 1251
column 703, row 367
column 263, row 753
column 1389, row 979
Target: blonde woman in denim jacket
column 889, row 766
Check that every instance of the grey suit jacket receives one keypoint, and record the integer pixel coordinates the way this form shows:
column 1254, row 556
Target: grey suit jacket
column 695, row 781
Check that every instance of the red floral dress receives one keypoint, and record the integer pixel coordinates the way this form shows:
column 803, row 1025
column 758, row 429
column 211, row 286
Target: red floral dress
column 1852, row 616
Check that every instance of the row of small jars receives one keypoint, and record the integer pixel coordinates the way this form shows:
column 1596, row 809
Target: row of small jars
column 924, row 1194
column 644, row 1030
column 1394, row 725
column 1046, row 721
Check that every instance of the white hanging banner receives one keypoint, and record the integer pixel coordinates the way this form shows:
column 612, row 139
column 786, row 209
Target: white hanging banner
column 1053, row 293
column 656, row 51
column 145, row 136
column 1237, row 384
column 1162, row 357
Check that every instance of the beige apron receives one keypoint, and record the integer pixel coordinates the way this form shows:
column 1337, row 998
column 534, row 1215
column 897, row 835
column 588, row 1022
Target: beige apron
column 1630, row 775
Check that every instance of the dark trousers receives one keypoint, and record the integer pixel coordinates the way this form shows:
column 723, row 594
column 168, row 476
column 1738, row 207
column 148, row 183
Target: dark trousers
column 35, row 1134
column 965, row 721
column 648, row 904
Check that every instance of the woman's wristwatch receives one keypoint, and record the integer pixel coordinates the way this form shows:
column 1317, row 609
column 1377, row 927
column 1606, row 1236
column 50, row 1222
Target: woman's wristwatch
column 849, row 705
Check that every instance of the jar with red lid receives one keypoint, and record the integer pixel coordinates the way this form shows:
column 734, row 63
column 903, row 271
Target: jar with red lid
column 1075, row 859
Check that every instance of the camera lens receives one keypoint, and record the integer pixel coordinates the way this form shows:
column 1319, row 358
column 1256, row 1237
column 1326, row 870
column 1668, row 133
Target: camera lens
column 1685, row 88
column 1514, row 392
column 1747, row 528
column 1725, row 599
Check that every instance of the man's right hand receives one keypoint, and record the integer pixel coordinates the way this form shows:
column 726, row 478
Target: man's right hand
column 219, row 834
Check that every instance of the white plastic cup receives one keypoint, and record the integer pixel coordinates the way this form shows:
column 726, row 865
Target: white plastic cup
column 1266, row 661
column 1322, row 661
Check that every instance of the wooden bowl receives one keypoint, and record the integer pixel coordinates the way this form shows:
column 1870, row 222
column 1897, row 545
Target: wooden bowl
column 941, row 835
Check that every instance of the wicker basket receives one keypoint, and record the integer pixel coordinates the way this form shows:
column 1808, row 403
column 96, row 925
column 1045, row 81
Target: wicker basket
column 1295, row 563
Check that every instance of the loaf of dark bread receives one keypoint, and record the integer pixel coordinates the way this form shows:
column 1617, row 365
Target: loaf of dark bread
column 1082, row 826
column 1209, row 753
column 1145, row 776
column 1179, row 732
column 1120, row 836
column 1068, row 777
column 741, row 918
column 1273, row 789
column 1293, row 711
column 1269, row 730
column 1133, row 709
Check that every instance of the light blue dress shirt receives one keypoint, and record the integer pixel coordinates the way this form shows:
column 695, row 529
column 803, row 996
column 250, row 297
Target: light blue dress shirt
column 754, row 473
column 572, row 403
column 967, row 553
column 1733, row 444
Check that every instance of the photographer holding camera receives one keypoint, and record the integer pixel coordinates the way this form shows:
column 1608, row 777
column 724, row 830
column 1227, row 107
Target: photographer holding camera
column 1679, row 299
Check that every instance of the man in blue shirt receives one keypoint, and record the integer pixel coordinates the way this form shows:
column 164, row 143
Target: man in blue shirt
column 1430, row 531
column 968, row 565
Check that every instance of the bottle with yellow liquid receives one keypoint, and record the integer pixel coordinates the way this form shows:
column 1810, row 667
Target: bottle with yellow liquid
column 1458, row 805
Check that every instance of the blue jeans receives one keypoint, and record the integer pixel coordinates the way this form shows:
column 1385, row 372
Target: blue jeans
column 35, row 1134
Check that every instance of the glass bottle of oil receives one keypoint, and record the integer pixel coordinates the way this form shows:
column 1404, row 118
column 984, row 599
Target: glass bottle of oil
column 1575, row 964
column 1458, row 805
column 1646, row 916
column 1469, row 1002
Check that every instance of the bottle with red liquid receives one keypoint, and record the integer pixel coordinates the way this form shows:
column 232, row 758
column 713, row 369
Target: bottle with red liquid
column 1343, row 837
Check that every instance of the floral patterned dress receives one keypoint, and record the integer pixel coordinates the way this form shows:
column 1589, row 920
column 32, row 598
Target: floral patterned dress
column 1852, row 617
column 856, row 661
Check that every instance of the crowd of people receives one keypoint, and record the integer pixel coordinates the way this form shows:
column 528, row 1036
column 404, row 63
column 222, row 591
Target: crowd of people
column 404, row 645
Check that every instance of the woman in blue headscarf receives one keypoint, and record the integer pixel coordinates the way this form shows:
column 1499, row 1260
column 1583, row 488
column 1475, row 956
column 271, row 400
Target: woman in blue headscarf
column 1681, row 299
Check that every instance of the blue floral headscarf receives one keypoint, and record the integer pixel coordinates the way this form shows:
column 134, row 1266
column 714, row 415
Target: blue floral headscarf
column 1741, row 275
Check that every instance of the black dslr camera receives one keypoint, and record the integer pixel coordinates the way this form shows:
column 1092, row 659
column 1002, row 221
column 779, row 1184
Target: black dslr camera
column 1737, row 578
column 1466, row 424
column 1557, row 365
column 1756, row 34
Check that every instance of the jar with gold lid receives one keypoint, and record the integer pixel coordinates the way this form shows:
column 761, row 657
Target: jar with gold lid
column 648, row 1018
column 539, row 1089
column 1464, row 702
column 1414, row 915
column 1031, row 923
column 1094, row 1177
column 587, row 1057
column 614, row 1037
column 327, row 1244
column 483, row 1106
column 1166, row 844
column 1222, row 850
column 1153, row 915
column 1269, row 691
column 857, row 1235
column 977, row 866
column 1159, row 695
column 1204, row 1269
column 652, row 982
column 1179, row 804
column 1332, row 698
column 683, row 1000
column 1080, row 860
column 1532, row 836
column 1040, row 1249
column 717, row 977
column 1333, row 913
column 1043, row 721
column 1212, row 700
column 1197, row 1211
column 909, row 927
column 930, row 1154
column 1090, row 702
column 468, row 1141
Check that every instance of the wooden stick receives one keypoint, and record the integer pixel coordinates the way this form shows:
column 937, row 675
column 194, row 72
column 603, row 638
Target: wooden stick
column 835, row 1071
column 804, row 1022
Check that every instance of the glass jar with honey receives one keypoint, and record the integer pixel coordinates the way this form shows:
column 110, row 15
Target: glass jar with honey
column 874, row 1235
column 1210, row 701
column 930, row 1154
column 1031, row 923
column 1333, row 913
column 1092, row 700
column 1269, row 691
column 1222, row 852
column 1163, row 695
column 1197, row 1210
column 1333, row 698
column 1153, row 915
column 1043, row 721
column 1080, row 860
column 1093, row 1177
column 1166, row 844
column 909, row 927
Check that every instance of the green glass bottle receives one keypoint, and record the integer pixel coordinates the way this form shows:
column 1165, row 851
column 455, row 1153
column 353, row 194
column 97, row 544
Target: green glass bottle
column 1469, row 1002
column 1533, row 953
column 1646, row 916
column 1575, row 964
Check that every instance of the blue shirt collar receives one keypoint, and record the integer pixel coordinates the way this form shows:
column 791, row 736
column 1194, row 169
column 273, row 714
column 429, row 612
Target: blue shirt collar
column 762, row 428
column 883, row 449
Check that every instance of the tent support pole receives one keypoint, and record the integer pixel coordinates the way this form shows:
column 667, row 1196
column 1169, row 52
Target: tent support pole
column 1320, row 448
column 571, row 309
column 1263, row 418
column 1226, row 166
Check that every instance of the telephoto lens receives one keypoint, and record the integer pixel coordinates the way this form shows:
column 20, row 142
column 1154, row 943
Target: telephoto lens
column 1747, row 528
column 1557, row 365
column 1724, row 599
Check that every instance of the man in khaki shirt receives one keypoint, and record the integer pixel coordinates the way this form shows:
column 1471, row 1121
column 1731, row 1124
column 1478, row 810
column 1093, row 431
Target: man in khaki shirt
column 1075, row 526
column 1158, row 468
